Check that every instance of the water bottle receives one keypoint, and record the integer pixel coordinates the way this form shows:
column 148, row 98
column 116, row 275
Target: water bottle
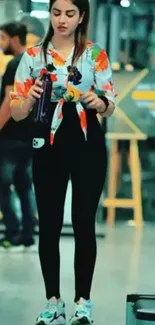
column 41, row 108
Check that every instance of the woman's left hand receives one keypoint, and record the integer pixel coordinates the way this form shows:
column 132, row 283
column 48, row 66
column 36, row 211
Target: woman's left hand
column 93, row 101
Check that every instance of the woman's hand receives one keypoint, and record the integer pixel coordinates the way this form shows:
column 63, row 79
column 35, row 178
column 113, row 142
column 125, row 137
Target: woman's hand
column 35, row 91
column 93, row 101
column 26, row 105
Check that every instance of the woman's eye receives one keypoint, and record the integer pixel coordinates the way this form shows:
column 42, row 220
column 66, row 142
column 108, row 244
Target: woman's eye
column 70, row 16
column 56, row 14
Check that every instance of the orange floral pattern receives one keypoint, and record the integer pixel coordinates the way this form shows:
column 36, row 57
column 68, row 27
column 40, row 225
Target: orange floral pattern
column 51, row 138
column 21, row 89
column 54, row 77
column 101, row 63
column 60, row 116
column 33, row 51
column 94, row 71
column 83, row 119
column 73, row 93
column 108, row 86
column 43, row 72
column 57, row 59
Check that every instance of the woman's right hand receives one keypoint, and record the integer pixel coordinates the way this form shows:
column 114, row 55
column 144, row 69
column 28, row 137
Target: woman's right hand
column 35, row 91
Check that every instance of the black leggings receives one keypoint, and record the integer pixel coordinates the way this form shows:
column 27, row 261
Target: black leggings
column 85, row 163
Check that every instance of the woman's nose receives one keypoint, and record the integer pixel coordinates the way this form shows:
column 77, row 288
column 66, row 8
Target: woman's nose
column 62, row 19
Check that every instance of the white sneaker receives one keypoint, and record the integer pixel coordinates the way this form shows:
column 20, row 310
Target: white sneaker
column 54, row 314
column 82, row 314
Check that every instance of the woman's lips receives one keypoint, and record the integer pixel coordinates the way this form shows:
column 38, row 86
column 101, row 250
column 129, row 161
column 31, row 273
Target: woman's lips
column 61, row 28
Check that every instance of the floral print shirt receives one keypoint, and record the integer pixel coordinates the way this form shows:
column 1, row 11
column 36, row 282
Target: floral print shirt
column 92, row 73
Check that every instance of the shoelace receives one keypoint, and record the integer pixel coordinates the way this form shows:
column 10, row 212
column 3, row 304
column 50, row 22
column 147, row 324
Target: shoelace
column 82, row 309
column 51, row 308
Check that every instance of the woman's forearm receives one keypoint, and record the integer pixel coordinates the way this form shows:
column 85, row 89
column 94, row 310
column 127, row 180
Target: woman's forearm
column 21, row 109
column 109, row 110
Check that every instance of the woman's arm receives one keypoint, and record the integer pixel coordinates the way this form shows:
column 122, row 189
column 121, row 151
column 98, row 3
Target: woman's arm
column 102, row 105
column 109, row 111
column 103, row 97
column 103, row 83
column 20, row 109
column 26, row 89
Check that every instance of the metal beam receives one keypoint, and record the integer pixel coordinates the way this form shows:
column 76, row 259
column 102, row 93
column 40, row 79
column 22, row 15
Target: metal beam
column 93, row 8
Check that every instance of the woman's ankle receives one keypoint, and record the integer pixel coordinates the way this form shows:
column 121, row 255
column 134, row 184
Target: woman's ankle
column 54, row 299
column 80, row 301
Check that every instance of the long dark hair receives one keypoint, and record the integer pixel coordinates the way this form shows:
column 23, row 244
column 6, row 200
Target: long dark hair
column 80, row 34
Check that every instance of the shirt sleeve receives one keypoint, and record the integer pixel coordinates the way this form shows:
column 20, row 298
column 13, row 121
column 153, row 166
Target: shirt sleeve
column 23, row 78
column 102, row 74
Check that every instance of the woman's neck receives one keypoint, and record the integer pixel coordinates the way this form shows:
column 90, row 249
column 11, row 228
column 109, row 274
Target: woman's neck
column 61, row 42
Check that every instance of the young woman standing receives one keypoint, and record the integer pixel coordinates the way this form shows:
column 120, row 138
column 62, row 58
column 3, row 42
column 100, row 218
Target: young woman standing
column 71, row 145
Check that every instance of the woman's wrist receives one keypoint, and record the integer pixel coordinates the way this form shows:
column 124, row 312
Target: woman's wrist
column 26, row 106
column 104, row 106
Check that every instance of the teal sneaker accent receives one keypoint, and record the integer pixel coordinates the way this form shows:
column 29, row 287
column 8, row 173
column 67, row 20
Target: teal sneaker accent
column 82, row 314
column 54, row 314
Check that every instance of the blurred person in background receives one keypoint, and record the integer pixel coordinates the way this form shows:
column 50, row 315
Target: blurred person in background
column 35, row 29
column 70, row 144
column 15, row 150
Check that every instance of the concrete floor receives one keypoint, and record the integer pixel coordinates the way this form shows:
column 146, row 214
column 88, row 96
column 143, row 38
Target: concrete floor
column 125, row 264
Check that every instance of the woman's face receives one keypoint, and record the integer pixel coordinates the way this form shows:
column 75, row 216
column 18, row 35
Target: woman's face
column 65, row 18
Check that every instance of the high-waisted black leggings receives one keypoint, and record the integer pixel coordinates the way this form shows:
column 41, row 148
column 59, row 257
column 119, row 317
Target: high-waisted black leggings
column 85, row 163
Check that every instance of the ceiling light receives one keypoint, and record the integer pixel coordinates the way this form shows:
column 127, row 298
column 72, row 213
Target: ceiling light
column 125, row 3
